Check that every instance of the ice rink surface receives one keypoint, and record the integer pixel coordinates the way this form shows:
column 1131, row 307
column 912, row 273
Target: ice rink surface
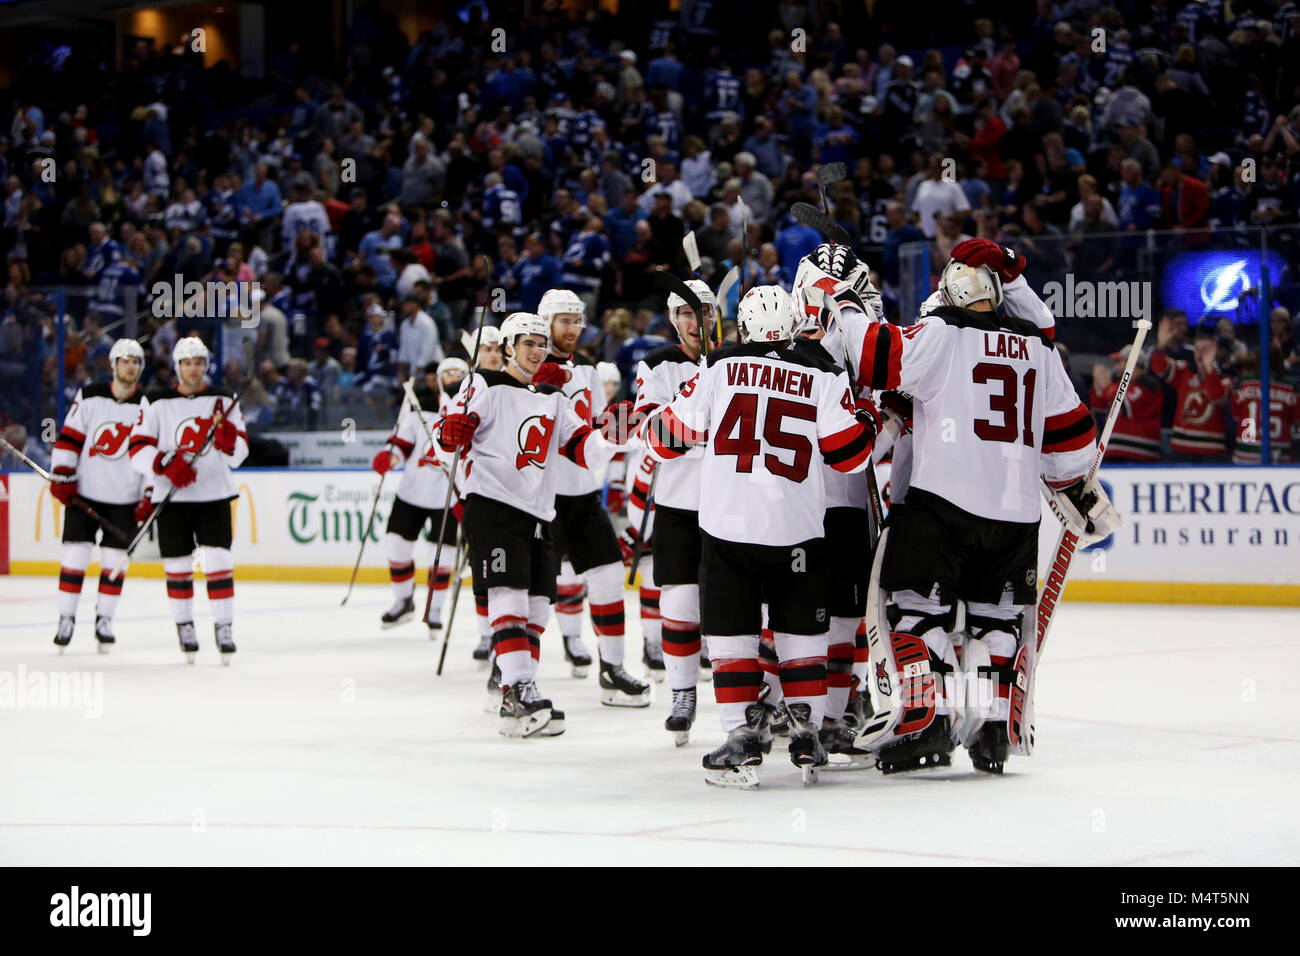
column 1166, row 735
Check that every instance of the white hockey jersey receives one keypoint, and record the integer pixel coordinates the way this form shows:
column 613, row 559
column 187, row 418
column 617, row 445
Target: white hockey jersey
column 767, row 417
column 842, row 490
column 424, row 465
column 95, row 443
column 171, row 421
column 586, row 395
column 523, row 431
column 659, row 379
column 993, row 407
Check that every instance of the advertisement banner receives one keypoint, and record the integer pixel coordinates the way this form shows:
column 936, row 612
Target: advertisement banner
column 1190, row 534
column 331, row 449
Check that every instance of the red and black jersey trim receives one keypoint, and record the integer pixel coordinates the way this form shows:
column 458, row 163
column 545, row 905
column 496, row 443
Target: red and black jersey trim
column 847, row 449
column 1070, row 431
column 670, row 437
column 70, row 440
column 573, row 448
column 882, row 356
column 405, row 446
column 141, row 441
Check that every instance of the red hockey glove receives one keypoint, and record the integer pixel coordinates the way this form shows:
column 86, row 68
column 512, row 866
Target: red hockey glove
column 226, row 436
column 64, row 485
column 383, row 461
column 551, row 373
column 866, row 414
column 616, row 423
column 985, row 252
column 458, row 430
column 174, row 468
column 145, row 508
column 627, row 540
column 616, row 500
column 458, row 511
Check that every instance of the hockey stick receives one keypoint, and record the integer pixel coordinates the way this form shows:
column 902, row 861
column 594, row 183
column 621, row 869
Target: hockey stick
column 455, row 458
column 457, row 575
column 370, row 522
column 1020, row 726
column 414, row 404
column 828, row 174
column 218, row 417
column 814, row 218
column 639, row 548
column 690, row 246
column 77, row 502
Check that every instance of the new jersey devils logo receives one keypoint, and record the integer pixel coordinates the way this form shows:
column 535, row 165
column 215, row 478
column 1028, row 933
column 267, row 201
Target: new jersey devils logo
column 110, row 440
column 582, row 403
column 1197, row 409
column 192, row 433
column 534, row 441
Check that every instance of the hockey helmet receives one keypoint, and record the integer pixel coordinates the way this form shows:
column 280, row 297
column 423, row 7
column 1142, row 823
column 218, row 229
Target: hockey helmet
column 608, row 373
column 189, row 347
column 963, row 284
column 561, row 302
column 125, row 348
column 524, row 323
column 766, row 314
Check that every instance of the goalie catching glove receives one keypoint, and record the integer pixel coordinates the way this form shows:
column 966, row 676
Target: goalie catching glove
column 1084, row 509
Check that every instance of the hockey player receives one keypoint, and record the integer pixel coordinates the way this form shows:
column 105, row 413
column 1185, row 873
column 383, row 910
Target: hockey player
column 168, row 448
column 489, row 348
column 763, row 410
column 419, row 501
column 91, row 461
column 514, row 432
column 676, row 540
column 969, row 527
column 584, row 536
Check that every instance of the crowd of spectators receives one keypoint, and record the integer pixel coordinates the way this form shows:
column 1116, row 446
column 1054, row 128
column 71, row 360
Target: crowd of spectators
column 371, row 209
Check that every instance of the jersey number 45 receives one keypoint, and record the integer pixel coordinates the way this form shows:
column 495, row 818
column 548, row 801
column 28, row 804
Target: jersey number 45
column 737, row 435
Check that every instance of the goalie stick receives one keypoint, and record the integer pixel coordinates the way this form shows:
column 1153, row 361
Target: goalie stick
column 1020, row 727
column 218, row 417
column 78, row 502
column 458, row 574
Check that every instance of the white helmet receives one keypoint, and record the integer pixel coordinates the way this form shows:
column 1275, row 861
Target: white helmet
column 932, row 302
column 766, row 314
column 963, row 284
column 608, row 372
column 702, row 291
column 125, row 348
column 491, row 336
column 189, row 347
column 524, row 323
column 452, row 365
column 560, row 301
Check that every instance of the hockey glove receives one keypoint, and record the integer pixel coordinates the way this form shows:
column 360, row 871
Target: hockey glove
column 458, row 511
column 985, row 252
column 898, row 404
column 867, row 415
column 616, row 423
column 616, row 499
column 145, row 508
column 383, row 461
column 551, row 373
column 64, row 485
column 458, row 431
column 173, row 466
column 226, row 436
column 1085, row 510
column 627, row 540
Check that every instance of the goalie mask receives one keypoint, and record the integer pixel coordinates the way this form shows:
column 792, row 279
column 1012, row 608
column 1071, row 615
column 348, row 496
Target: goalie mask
column 963, row 285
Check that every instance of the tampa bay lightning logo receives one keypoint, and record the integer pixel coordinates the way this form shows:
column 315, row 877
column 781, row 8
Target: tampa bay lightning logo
column 1222, row 288
column 1108, row 542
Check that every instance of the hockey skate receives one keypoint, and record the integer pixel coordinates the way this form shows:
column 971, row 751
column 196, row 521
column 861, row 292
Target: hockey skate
column 858, row 711
column 399, row 613
column 988, row 751
column 929, row 749
column 734, row 765
column 806, row 750
column 555, row 726
column 618, row 688
column 841, row 752
column 682, row 717
column 434, row 623
column 652, row 656
column 706, row 664
column 523, row 712
column 225, row 644
column 493, row 702
column 64, row 634
column 104, row 634
column 780, row 719
column 576, row 653
column 484, row 650
column 189, row 640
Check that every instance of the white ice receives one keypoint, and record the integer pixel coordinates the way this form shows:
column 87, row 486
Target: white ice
column 1165, row 736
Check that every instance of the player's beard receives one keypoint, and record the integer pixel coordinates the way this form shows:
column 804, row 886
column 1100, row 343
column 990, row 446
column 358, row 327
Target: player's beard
column 566, row 340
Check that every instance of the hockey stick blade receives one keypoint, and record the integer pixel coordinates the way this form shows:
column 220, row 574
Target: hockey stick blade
column 814, row 218
column 831, row 173
column 728, row 283
column 692, row 249
column 670, row 283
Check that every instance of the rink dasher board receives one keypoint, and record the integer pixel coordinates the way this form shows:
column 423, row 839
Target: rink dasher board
column 1191, row 535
